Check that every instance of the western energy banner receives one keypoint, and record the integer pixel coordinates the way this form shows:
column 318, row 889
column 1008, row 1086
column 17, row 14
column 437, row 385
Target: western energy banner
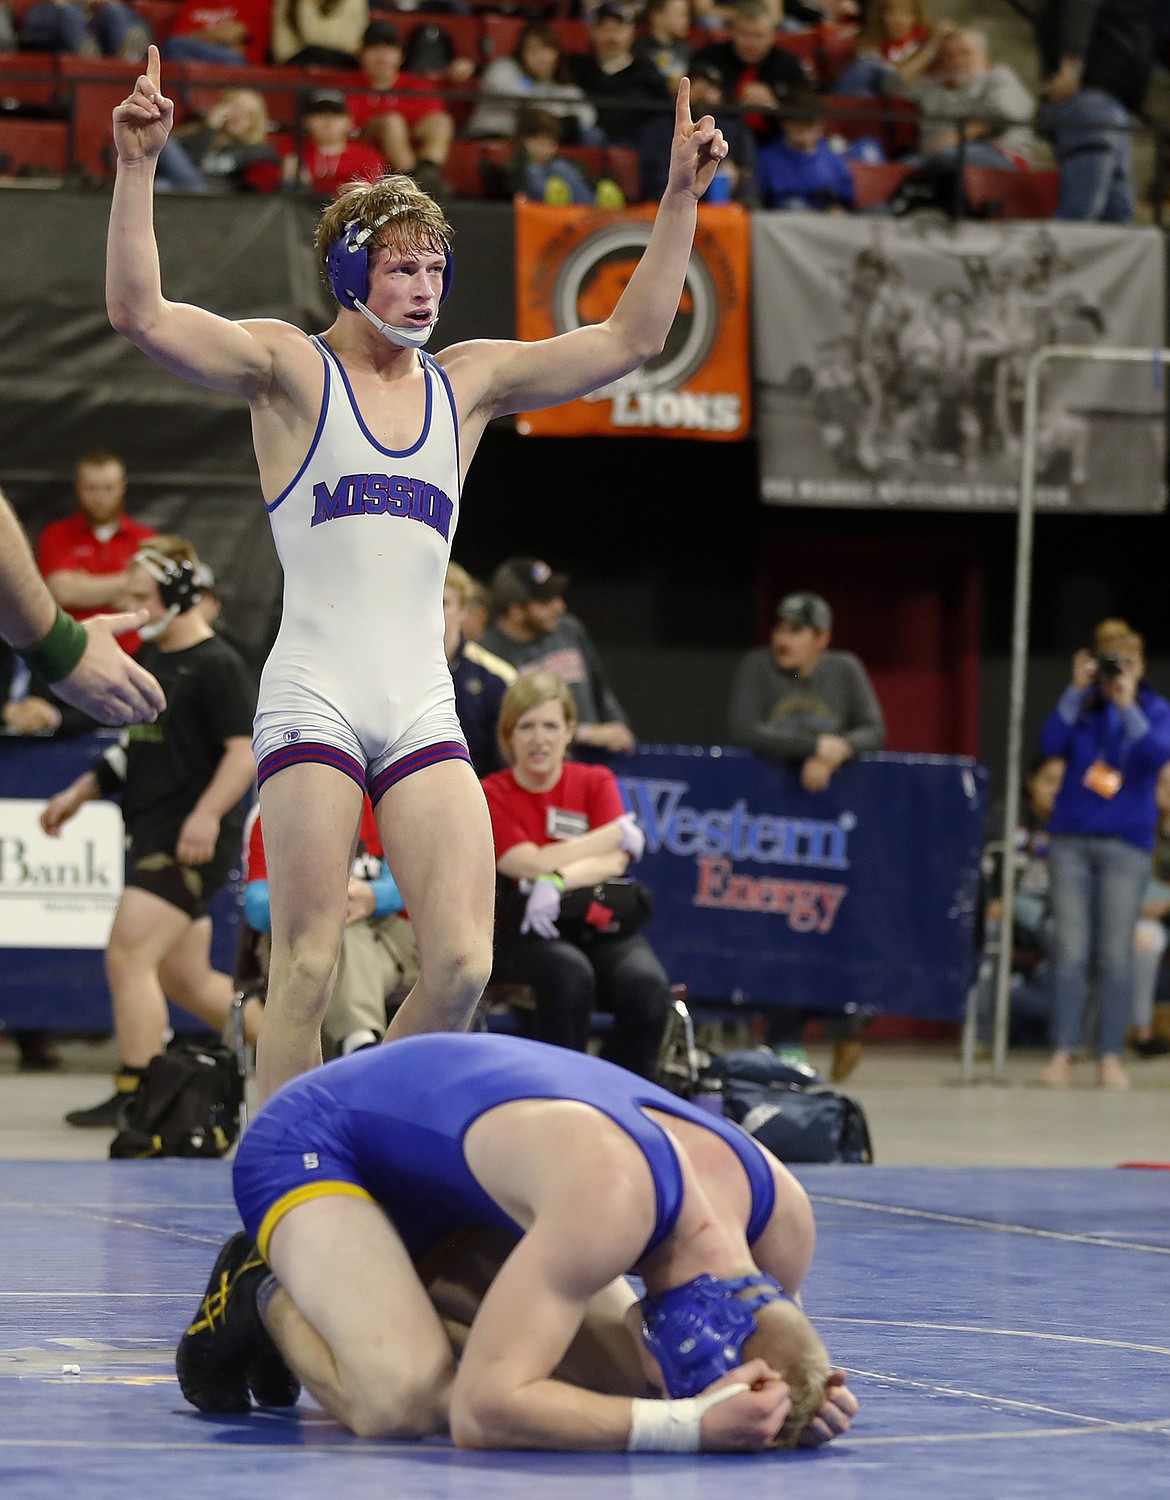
column 862, row 896
column 891, row 354
column 572, row 265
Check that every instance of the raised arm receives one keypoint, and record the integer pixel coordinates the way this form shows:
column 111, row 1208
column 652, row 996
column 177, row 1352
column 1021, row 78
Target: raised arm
column 194, row 343
column 545, row 373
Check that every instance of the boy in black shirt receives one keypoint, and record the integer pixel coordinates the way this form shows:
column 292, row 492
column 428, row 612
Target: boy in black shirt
column 182, row 781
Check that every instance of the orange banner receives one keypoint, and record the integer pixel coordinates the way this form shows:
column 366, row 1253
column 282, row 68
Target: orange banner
column 571, row 267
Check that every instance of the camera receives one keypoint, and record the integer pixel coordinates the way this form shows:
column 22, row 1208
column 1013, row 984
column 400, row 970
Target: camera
column 1109, row 667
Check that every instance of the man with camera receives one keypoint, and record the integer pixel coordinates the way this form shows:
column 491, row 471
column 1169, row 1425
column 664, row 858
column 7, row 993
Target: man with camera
column 1113, row 732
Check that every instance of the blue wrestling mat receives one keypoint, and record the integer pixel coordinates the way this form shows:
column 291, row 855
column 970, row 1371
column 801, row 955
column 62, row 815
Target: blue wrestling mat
column 1007, row 1332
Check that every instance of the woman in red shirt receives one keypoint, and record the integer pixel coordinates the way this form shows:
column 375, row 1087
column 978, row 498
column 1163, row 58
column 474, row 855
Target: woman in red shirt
column 559, row 826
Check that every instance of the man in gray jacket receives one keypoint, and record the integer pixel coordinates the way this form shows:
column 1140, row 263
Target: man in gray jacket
column 795, row 700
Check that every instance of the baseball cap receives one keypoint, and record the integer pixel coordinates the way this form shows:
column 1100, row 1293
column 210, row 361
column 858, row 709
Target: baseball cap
column 804, row 609
column 524, row 580
column 382, row 34
column 611, row 10
column 320, row 100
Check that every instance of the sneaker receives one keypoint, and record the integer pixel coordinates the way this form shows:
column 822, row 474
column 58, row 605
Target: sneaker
column 1110, row 1073
column 846, row 1056
column 38, row 1055
column 227, row 1349
column 111, row 1113
column 1150, row 1046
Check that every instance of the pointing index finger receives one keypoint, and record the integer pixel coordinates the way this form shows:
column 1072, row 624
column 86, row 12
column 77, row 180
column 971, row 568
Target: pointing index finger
column 682, row 106
column 154, row 67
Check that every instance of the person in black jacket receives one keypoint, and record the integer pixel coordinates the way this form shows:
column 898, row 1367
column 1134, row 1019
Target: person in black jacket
column 624, row 89
column 1096, row 60
column 757, row 73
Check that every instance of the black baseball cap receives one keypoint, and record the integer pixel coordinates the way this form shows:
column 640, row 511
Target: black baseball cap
column 804, row 609
column 611, row 10
column 320, row 101
column 382, row 34
column 526, row 580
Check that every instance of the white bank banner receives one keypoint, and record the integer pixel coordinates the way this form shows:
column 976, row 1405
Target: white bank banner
column 890, row 357
column 59, row 892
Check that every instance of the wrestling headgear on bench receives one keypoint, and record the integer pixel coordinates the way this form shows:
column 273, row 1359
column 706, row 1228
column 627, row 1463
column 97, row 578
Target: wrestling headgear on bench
column 347, row 269
column 178, row 586
column 697, row 1331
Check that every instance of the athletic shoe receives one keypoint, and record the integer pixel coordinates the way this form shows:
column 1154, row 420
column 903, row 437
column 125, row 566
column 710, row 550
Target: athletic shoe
column 110, row 1114
column 1151, row 1046
column 271, row 1381
column 227, row 1336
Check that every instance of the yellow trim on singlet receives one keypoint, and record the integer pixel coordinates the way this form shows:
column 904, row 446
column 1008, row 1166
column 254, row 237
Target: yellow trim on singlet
column 328, row 1188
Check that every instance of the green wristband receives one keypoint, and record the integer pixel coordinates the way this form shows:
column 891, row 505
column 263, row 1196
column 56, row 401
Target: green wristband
column 557, row 879
column 55, row 655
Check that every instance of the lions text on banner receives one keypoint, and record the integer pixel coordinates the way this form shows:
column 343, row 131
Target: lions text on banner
column 890, row 357
column 572, row 265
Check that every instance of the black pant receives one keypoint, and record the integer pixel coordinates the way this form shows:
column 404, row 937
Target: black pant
column 621, row 975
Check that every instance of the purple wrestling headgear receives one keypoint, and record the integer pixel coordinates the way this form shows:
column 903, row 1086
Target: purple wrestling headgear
column 347, row 269
column 697, row 1331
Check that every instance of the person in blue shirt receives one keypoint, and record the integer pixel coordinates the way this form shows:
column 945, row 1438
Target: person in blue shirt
column 799, row 169
column 1113, row 732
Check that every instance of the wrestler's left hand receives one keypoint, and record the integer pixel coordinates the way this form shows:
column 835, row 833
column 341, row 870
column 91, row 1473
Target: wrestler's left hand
column 834, row 1417
column 698, row 147
column 748, row 1421
column 197, row 838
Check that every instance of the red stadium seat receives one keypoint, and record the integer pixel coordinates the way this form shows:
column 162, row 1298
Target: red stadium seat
column 97, row 84
column 875, row 182
column 197, row 86
column 464, row 167
column 824, row 51
column 893, row 122
column 159, row 15
column 501, row 34
column 40, row 145
column 1012, row 195
column 29, row 80
column 574, row 35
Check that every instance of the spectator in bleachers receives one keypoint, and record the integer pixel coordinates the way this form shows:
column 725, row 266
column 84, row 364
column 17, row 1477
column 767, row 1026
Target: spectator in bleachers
column 706, row 99
column 969, row 98
column 625, row 90
column 1096, row 60
column 533, row 632
column 560, row 828
column 330, row 157
column 1151, row 938
column 318, row 33
column 664, row 42
column 537, row 169
column 480, row 678
column 800, row 169
column 404, row 117
column 231, row 148
column 86, row 28
column 536, row 73
column 477, row 611
column 84, row 557
column 899, row 42
column 220, row 31
column 757, row 74
column 430, row 54
column 25, row 709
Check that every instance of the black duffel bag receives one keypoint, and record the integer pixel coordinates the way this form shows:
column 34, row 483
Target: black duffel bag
column 790, row 1109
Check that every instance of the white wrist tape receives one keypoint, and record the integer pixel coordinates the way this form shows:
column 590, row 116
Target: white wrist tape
column 674, row 1426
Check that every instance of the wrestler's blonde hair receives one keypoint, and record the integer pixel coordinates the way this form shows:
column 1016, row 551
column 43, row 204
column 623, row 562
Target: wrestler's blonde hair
column 528, row 692
column 414, row 221
column 787, row 1340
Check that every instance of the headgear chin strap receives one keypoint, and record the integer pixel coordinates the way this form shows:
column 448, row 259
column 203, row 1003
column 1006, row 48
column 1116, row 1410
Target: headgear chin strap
column 347, row 269
column 178, row 587
column 697, row 1331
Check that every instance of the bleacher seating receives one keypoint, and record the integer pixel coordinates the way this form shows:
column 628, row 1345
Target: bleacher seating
column 28, row 82
column 875, row 182
column 1011, row 195
column 38, row 146
column 465, row 166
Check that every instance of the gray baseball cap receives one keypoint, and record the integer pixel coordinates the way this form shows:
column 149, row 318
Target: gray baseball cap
column 804, row 609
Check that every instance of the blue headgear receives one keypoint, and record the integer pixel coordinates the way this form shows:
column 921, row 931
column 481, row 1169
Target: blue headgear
column 697, row 1331
column 347, row 270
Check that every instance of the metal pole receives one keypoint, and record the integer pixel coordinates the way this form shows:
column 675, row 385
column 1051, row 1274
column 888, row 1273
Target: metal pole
column 1019, row 673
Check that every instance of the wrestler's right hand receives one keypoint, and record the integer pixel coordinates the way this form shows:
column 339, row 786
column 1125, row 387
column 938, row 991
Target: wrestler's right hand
column 143, row 121
column 749, row 1421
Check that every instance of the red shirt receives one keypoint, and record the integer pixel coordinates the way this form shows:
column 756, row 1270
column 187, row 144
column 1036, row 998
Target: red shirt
column 70, row 546
column 363, row 107
column 329, row 171
column 369, row 846
column 523, row 817
column 256, row 15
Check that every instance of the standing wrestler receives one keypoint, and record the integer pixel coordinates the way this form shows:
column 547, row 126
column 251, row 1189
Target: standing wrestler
column 351, row 1177
column 362, row 441
column 181, row 783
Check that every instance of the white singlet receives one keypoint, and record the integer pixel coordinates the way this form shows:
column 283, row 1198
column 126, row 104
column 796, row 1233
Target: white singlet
column 357, row 677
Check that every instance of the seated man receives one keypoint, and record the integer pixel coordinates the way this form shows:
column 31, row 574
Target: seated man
column 401, row 114
column 354, row 1171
